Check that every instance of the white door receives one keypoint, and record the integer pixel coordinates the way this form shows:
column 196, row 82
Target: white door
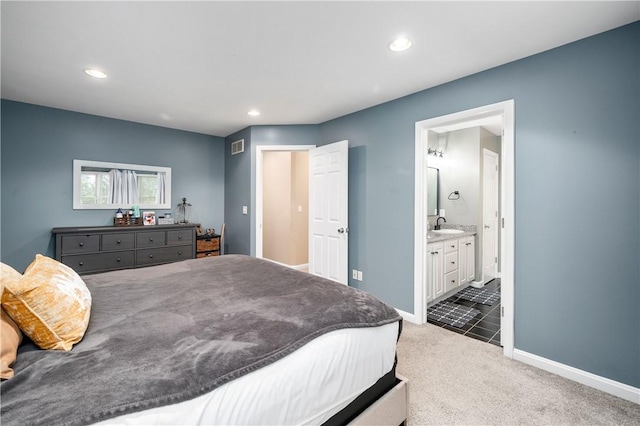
column 490, row 215
column 328, row 211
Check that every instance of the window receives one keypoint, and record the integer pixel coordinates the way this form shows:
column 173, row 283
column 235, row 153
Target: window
column 95, row 187
column 147, row 189
column 100, row 185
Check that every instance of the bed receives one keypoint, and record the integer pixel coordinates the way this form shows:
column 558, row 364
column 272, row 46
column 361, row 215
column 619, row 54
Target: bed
column 219, row 340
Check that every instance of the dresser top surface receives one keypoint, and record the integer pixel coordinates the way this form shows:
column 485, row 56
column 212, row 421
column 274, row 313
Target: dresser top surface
column 90, row 229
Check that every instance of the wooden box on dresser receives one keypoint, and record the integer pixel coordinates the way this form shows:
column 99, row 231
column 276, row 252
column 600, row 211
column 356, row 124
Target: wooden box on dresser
column 91, row 249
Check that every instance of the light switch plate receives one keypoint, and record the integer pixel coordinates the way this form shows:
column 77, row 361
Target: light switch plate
column 359, row 275
column 441, row 212
column 244, row 209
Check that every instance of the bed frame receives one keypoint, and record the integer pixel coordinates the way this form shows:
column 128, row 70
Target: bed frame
column 384, row 403
column 392, row 408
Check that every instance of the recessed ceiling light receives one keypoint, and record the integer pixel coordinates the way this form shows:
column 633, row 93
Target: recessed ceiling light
column 95, row 73
column 254, row 113
column 400, row 44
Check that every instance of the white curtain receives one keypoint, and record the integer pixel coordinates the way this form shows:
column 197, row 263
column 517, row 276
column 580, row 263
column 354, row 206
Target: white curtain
column 160, row 198
column 123, row 187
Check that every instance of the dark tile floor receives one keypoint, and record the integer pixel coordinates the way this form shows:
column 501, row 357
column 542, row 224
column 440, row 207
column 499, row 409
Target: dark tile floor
column 486, row 325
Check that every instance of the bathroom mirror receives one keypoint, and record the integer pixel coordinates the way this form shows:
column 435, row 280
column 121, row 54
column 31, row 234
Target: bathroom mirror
column 100, row 185
column 432, row 191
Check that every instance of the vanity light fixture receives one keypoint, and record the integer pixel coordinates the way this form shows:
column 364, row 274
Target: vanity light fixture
column 254, row 113
column 400, row 44
column 95, row 73
column 434, row 152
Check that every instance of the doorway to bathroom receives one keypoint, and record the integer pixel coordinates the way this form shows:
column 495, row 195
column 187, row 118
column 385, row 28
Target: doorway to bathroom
column 489, row 197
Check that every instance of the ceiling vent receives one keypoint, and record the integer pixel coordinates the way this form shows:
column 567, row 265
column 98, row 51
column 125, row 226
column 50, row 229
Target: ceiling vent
column 237, row 147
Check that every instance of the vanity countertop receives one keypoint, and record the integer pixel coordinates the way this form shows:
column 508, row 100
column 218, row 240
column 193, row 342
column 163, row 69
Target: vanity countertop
column 434, row 237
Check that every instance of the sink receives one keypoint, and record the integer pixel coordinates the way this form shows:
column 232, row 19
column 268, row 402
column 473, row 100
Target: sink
column 447, row 231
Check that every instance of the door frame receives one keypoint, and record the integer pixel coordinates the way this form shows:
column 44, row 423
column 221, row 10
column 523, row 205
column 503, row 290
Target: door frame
column 260, row 149
column 506, row 109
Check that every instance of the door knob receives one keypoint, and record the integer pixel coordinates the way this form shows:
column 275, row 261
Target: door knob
column 343, row 230
column 487, row 227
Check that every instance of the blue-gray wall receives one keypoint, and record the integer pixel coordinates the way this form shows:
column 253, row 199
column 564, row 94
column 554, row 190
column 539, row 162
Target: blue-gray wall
column 577, row 217
column 38, row 148
column 577, row 282
column 241, row 178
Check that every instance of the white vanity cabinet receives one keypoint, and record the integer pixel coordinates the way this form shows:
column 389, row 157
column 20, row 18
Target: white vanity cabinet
column 450, row 265
column 467, row 261
column 435, row 283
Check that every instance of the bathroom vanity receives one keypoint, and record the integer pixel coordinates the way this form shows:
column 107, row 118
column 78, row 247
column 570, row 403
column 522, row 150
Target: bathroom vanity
column 451, row 263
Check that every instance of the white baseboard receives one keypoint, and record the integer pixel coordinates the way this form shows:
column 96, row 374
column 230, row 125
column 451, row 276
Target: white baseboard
column 612, row 387
column 303, row 266
column 477, row 284
column 408, row 317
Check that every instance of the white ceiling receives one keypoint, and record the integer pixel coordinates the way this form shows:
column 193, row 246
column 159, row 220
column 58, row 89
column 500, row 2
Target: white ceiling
column 200, row 66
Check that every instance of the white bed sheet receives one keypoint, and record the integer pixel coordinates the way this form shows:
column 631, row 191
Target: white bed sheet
column 306, row 387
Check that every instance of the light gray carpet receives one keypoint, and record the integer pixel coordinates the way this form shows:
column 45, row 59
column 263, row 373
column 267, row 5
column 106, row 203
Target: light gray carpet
column 456, row 380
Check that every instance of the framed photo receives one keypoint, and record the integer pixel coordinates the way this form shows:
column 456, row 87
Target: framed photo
column 149, row 218
column 199, row 230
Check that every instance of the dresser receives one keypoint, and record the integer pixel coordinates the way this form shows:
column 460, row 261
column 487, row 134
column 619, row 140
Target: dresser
column 92, row 249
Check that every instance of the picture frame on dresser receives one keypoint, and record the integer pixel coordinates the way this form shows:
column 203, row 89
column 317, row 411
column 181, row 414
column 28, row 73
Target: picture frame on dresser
column 149, row 218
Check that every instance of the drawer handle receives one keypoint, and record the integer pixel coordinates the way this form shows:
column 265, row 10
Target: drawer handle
column 150, row 256
column 179, row 253
column 453, row 263
column 179, row 237
column 453, row 245
column 118, row 260
column 118, row 242
column 151, row 239
column 81, row 263
column 81, row 244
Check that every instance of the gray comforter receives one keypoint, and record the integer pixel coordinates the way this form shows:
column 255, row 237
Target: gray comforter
column 169, row 333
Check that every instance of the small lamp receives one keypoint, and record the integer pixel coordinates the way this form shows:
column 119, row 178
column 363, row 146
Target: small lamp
column 184, row 212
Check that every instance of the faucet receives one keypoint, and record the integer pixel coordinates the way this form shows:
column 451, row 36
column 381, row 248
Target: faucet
column 438, row 222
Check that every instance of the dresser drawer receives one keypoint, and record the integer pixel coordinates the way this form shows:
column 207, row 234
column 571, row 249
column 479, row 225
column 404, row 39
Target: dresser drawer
column 451, row 281
column 450, row 245
column 450, row 262
column 150, row 239
column 86, row 263
column 182, row 236
column 122, row 241
column 80, row 243
column 154, row 256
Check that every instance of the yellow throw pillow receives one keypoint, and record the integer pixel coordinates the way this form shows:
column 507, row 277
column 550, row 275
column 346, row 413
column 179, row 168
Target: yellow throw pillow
column 10, row 335
column 50, row 303
column 10, row 338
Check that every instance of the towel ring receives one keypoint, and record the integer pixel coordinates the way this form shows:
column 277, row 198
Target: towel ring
column 456, row 194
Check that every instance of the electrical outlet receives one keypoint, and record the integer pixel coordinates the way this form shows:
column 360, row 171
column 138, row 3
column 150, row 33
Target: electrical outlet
column 442, row 213
column 354, row 274
column 359, row 275
column 244, row 209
